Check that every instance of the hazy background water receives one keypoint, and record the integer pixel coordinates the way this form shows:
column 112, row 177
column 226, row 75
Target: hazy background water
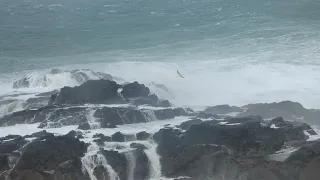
column 231, row 51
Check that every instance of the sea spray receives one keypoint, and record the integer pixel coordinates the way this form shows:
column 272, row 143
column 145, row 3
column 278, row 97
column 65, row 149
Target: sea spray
column 154, row 160
column 131, row 159
column 93, row 159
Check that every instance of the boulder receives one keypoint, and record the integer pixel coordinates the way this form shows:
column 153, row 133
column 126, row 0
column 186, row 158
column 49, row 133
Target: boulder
column 101, row 173
column 141, row 136
column 134, row 89
column 92, row 91
column 71, row 169
column 118, row 137
column 84, row 126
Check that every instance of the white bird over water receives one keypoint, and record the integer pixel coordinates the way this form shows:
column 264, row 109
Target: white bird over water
column 180, row 74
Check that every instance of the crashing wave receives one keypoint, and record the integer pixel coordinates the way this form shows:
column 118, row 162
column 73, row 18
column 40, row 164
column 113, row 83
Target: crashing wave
column 59, row 78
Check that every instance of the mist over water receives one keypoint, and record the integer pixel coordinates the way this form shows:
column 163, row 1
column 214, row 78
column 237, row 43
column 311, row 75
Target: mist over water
column 231, row 52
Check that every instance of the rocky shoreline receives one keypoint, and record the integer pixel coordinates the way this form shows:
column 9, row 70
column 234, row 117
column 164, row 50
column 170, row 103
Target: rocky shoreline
column 220, row 143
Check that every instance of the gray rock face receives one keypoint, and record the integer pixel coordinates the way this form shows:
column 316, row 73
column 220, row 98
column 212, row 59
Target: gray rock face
column 71, row 169
column 48, row 154
column 92, row 91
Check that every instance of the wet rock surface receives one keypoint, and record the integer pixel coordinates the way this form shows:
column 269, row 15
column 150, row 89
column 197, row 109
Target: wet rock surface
column 221, row 142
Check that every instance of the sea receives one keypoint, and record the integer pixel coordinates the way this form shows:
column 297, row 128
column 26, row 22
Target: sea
column 228, row 51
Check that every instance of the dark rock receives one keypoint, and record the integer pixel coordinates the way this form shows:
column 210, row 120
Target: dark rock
column 163, row 114
column 304, row 155
column 118, row 137
column 84, row 126
column 29, row 175
column 135, row 89
column 184, row 160
column 187, row 124
column 101, row 139
column 279, row 122
column 71, row 169
column 65, row 117
column 10, row 145
column 101, row 173
column 117, row 161
column 204, row 115
column 92, row 91
column 138, row 146
column 19, row 117
column 244, row 120
column 4, row 164
column 46, row 155
column 286, row 109
column 141, row 167
column 141, row 136
column 118, row 116
column 222, row 109
column 38, row 134
column 244, row 138
column 312, row 132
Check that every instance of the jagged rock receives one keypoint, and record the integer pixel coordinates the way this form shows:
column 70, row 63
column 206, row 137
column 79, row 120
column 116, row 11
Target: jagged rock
column 17, row 117
column 142, row 168
column 304, row 155
column 4, row 164
column 118, row 137
column 312, row 132
column 44, row 155
column 138, row 146
column 101, row 138
column 187, row 124
column 92, row 91
column 101, row 173
column 84, row 126
column 109, row 116
column 117, row 161
column 286, row 109
column 38, row 134
column 163, row 114
column 246, row 137
column 135, row 89
column 9, row 145
column 141, row 136
column 71, row 169
column 222, row 109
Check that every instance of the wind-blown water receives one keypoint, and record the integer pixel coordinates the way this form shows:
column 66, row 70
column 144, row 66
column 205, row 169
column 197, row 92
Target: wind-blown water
column 229, row 51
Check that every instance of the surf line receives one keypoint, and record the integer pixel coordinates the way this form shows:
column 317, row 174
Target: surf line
column 180, row 74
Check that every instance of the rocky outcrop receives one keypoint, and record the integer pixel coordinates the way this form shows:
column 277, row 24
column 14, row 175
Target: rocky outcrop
column 48, row 154
column 92, row 91
column 111, row 116
column 71, row 169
